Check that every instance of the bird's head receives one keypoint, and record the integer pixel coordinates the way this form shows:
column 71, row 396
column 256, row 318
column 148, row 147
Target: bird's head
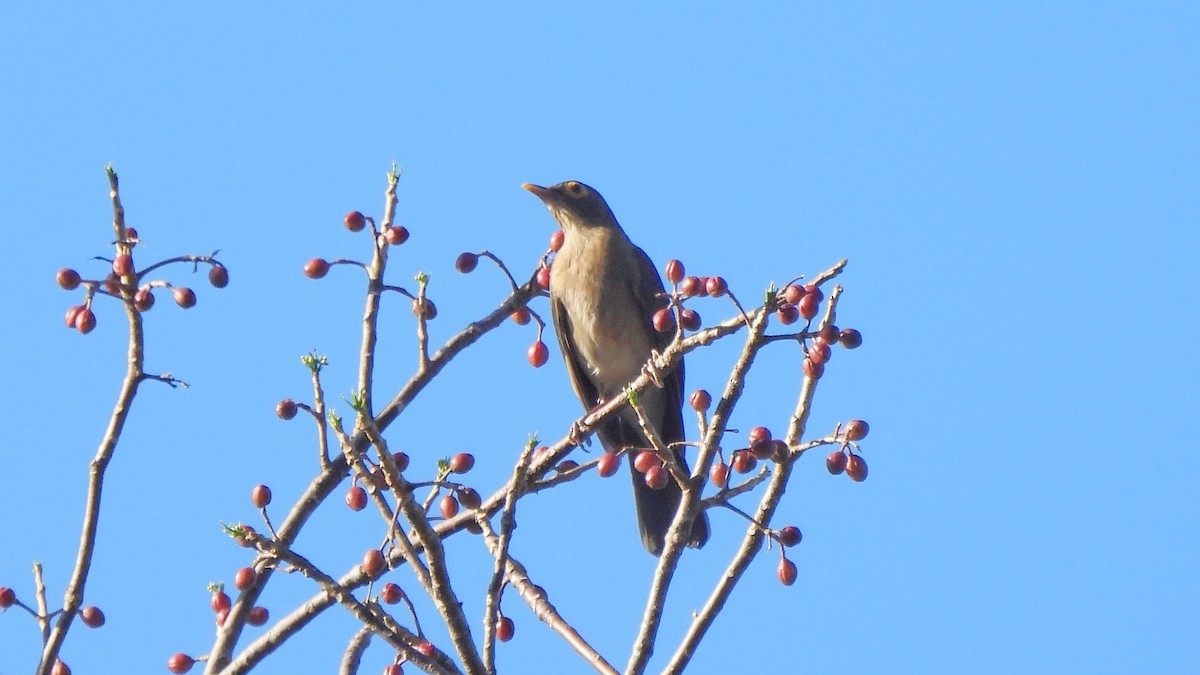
column 574, row 205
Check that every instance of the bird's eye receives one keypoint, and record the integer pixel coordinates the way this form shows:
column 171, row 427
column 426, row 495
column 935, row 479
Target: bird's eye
column 575, row 188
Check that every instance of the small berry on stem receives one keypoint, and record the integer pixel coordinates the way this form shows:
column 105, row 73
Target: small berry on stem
column 836, row 462
column 504, row 629
column 180, row 663
column 285, row 409
column 260, row 496
column 91, row 616
column 786, row 572
column 538, row 354
column 462, row 462
column 218, row 276
column 608, row 464
column 373, row 563
column 466, row 262
column 316, row 268
column 356, row 498
column 355, row 221
column 674, row 271
column 184, row 297
column 68, row 279
column 856, row 468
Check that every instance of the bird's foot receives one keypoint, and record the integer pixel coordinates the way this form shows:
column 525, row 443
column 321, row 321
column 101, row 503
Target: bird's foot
column 652, row 371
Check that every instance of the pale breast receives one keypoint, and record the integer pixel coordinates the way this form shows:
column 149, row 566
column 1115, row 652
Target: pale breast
column 611, row 335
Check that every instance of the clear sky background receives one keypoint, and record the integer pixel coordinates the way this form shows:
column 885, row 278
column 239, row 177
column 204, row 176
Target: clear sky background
column 1016, row 189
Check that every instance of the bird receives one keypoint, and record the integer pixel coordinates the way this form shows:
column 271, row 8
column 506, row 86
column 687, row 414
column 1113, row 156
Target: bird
column 604, row 291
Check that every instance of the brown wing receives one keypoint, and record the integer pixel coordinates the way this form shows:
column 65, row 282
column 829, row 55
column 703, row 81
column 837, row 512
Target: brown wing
column 576, row 370
column 651, row 294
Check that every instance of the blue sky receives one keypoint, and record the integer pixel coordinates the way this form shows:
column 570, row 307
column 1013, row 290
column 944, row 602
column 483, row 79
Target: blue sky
column 1015, row 188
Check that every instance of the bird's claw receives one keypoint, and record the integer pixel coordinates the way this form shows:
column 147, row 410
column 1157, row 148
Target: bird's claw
column 576, row 435
column 652, row 371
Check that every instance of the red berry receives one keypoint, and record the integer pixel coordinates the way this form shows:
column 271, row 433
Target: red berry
column 180, row 663
column 543, row 278
column 184, row 297
column 719, row 474
column 819, row 352
column 691, row 287
column 91, row 616
column 218, row 276
column 790, row 536
column 608, row 464
column 426, row 648
column 814, row 291
column 112, row 284
column 7, row 597
column 856, row 468
column 780, row 451
column 73, row 314
column 285, row 409
column 813, row 370
column 557, row 239
column 689, row 319
column 469, row 498
column 316, row 268
column 391, row 593
column 759, row 435
column 394, row 669
column 521, row 316
column 566, row 465
column 245, row 578
column 786, row 572
column 664, row 320
column 462, row 462
column 674, row 271
column 792, row 294
column 68, row 279
column 716, row 287
column 700, row 400
column 143, row 300
column 354, row 221
column 260, row 496
column 538, row 354
column 258, row 616
column 85, row 321
column 645, row 460
column 401, row 460
column 60, row 668
column 373, row 563
column 220, row 601
column 504, row 629
column 356, row 498
column 122, row 264
column 657, row 477
column 856, row 430
column 424, row 307
column 221, row 616
column 829, row 334
column 466, row 262
column 130, row 234
column 744, row 461
column 836, row 462
column 850, row 338
column 448, row 505
column 788, row 314
column 808, row 306
column 396, row 235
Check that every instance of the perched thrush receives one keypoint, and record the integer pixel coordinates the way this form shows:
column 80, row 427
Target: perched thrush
column 604, row 292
